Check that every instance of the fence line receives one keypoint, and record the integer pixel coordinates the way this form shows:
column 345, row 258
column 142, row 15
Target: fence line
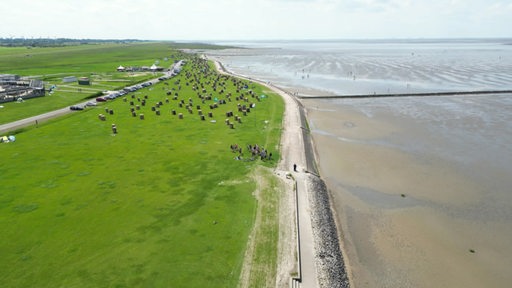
column 297, row 280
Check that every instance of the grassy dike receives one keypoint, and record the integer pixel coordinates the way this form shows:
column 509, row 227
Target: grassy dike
column 162, row 203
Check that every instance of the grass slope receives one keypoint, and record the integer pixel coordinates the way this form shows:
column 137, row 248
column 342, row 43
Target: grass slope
column 162, row 203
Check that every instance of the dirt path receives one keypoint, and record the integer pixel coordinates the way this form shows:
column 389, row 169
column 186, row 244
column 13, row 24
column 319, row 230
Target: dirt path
column 245, row 277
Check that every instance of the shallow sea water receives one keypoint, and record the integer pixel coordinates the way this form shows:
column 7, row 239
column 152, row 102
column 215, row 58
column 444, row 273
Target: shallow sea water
column 367, row 67
column 421, row 185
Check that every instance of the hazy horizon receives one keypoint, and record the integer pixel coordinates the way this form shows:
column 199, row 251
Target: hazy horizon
column 179, row 20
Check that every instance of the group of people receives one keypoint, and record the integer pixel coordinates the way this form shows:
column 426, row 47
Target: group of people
column 254, row 150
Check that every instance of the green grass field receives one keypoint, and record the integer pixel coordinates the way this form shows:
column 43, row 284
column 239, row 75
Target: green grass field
column 92, row 58
column 162, row 203
column 96, row 61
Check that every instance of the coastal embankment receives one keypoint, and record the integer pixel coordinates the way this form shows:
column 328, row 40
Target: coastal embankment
column 320, row 257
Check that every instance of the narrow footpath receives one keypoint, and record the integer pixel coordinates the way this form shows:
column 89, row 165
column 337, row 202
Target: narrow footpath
column 293, row 153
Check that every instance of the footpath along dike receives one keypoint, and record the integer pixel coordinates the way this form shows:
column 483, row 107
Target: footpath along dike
column 330, row 266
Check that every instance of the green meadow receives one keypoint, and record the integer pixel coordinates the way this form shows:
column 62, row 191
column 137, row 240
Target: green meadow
column 98, row 62
column 161, row 203
column 90, row 58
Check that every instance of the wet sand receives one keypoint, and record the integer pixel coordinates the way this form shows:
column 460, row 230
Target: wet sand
column 409, row 219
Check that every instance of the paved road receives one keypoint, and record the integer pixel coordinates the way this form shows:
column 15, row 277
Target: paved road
column 32, row 120
column 307, row 249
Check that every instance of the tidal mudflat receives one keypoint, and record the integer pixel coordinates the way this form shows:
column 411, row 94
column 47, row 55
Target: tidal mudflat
column 420, row 185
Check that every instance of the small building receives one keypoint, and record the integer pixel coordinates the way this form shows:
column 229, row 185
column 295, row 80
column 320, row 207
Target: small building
column 9, row 77
column 16, row 88
column 36, row 84
column 84, row 81
column 69, row 79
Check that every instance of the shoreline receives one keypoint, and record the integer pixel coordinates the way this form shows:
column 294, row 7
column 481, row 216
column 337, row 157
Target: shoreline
column 418, row 184
column 328, row 257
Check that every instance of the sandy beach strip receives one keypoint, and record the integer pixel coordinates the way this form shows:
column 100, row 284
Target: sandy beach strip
column 322, row 263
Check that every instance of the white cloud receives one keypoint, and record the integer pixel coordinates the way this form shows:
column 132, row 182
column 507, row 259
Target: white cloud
column 270, row 19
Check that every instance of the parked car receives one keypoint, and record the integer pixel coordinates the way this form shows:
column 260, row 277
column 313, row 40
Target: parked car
column 76, row 107
column 101, row 99
column 90, row 103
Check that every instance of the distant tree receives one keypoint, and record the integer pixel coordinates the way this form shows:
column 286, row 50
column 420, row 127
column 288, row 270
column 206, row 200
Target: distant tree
column 57, row 42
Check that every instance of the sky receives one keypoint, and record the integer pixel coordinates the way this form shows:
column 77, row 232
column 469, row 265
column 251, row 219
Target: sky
column 256, row 19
